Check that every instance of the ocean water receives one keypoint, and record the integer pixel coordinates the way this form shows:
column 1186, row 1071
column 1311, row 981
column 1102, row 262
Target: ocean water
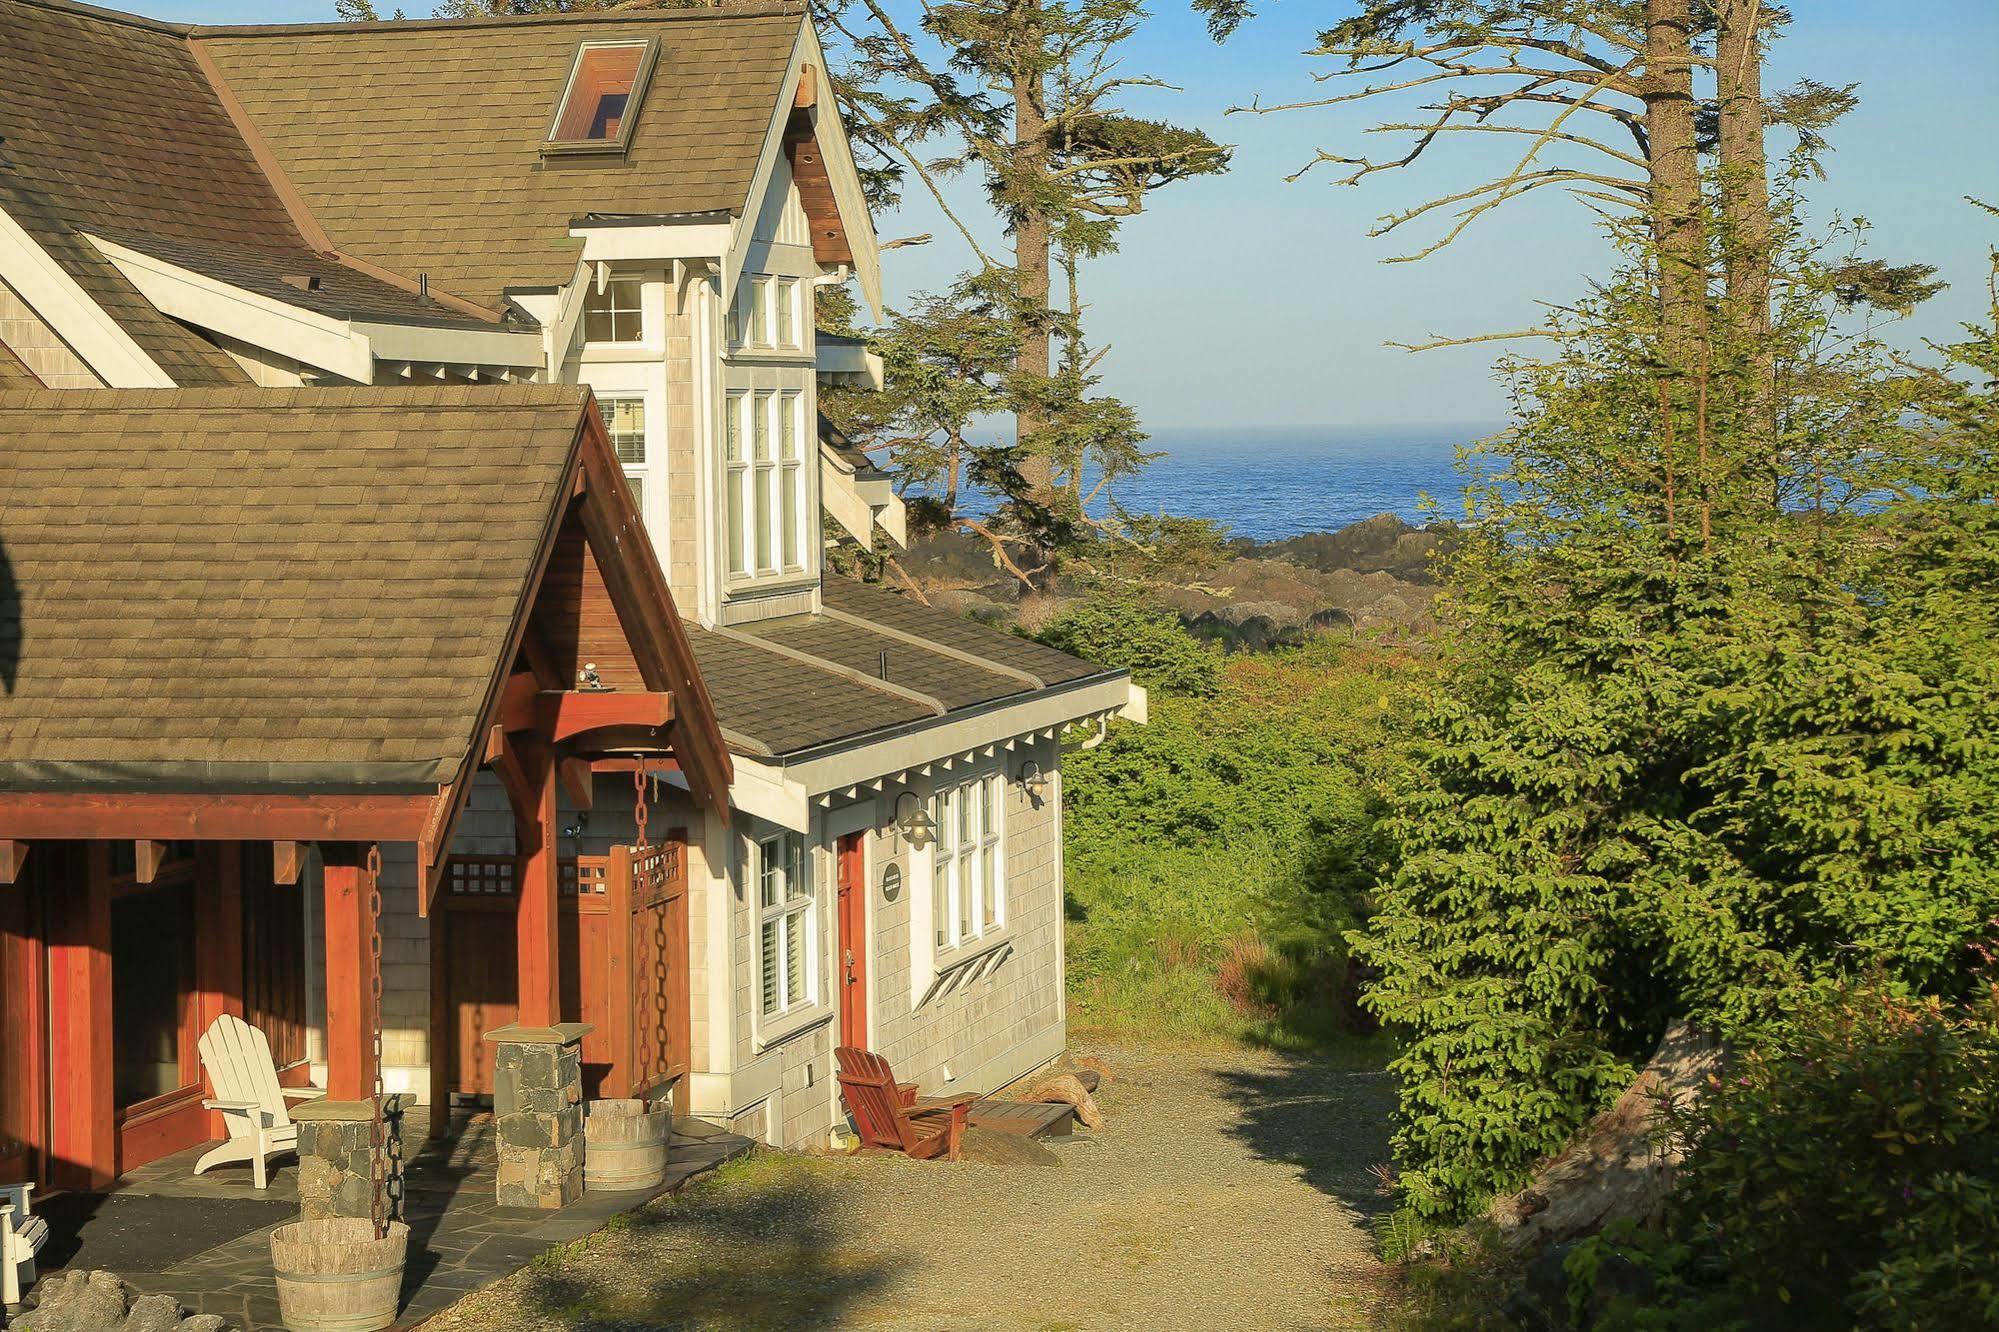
column 1275, row 482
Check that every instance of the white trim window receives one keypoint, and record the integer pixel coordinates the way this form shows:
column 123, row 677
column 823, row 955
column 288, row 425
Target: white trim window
column 968, row 865
column 625, row 423
column 617, row 313
column 763, row 454
column 765, row 312
column 787, row 924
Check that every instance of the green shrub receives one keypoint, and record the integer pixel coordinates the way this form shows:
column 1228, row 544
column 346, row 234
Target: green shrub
column 1847, row 1176
column 1217, row 855
column 1126, row 634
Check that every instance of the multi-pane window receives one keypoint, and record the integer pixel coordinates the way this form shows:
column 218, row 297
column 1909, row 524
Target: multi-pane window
column 784, row 302
column 787, row 913
column 764, row 454
column 968, row 874
column 614, row 314
column 625, row 420
column 765, row 312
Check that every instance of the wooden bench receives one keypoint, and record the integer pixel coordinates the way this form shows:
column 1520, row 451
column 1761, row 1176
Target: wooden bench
column 1025, row 1119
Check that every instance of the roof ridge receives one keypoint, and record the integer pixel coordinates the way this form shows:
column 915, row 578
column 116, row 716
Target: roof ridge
column 425, row 397
column 119, row 16
column 748, row 9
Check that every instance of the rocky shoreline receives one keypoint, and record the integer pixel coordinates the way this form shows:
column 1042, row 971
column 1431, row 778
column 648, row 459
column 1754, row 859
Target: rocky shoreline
column 1372, row 575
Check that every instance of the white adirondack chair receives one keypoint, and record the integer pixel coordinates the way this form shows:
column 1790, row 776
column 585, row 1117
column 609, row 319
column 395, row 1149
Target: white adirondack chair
column 238, row 1059
column 22, row 1235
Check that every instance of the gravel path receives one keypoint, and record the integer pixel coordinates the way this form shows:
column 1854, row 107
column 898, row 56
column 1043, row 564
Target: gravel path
column 1226, row 1190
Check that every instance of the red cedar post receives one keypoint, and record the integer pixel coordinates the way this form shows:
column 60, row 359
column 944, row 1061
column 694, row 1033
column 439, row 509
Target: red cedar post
column 218, row 957
column 350, row 1000
column 84, row 1131
column 537, row 924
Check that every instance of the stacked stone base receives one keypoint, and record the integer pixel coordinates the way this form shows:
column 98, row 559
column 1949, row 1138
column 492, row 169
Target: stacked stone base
column 336, row 1157
column 538, row 1114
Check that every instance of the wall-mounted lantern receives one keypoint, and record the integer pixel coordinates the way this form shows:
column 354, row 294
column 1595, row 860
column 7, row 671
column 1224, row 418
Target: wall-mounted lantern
column 913, row 819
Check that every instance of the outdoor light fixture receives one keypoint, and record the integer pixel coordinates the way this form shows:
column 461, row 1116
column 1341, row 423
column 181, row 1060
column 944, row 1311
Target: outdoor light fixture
column 1034, row 781
column 913, row 819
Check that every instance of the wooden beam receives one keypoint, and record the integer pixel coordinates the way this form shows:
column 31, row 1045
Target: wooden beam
column 540, row 658
column 146, row 858
column 575, row 776
column 564, row 714
column 537, row 924
column 109, row 816
column 218, row 945
column 350, row 1000
column 517, row 701
column 808, row 88
column 287, row 859
column 504, row 758
column 12, row 856
column 84, row 1129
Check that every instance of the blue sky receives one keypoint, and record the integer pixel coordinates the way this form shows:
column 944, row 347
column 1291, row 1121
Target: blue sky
column 1243, row 300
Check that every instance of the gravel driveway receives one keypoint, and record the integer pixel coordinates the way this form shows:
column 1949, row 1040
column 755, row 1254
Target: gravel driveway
column 1226, row 1190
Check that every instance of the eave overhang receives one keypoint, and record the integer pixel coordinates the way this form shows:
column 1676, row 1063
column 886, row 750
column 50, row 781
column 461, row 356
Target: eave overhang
column 349, row 348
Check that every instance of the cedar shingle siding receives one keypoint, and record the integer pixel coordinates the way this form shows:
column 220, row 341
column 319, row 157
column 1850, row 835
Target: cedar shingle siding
column 255, row 587
column 418, row 145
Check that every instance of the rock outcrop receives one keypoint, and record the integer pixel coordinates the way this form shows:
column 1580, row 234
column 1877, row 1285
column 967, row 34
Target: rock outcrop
column 79, row 1301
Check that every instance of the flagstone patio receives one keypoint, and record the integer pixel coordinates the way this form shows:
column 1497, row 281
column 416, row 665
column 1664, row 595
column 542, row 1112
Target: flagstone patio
column 460, row 1238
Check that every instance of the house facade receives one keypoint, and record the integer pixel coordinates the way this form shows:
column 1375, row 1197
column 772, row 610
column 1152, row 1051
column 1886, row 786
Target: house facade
column 643, row 204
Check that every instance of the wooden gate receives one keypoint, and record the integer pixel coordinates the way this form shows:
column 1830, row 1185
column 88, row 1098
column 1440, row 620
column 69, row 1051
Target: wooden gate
column 623, row 925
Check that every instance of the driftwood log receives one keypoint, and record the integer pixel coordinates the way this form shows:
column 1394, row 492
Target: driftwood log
column 1618, row 1167
column 1066, row 1087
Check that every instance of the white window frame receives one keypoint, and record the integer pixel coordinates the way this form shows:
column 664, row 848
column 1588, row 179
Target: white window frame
column 968, row 874
column 766, row 315
column 638, row 471
column 766, row 485
column 613, row 309
column 781, row 875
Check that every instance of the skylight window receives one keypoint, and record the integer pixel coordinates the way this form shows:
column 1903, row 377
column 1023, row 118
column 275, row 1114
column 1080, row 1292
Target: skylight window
column 602, row 99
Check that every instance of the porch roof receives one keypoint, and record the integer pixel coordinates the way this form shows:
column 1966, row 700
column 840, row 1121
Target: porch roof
column 266, row 590
column 871, row 662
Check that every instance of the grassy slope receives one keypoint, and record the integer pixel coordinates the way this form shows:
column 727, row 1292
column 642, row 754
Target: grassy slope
column 1216, row 855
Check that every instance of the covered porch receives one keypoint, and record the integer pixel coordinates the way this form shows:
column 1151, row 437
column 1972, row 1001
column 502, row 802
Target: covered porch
column 216, row 1259
column 226, row 706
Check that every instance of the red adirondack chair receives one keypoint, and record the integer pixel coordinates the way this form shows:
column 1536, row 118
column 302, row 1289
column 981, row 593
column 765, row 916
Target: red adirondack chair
column 889, row 1114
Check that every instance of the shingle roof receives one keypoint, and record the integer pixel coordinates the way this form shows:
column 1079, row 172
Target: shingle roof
column 110, row 128
column 252, row 588
column 772, row 703
column 418, row 145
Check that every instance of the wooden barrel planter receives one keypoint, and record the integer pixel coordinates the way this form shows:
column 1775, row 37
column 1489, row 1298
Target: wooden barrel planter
column 624, row 1146
column 336, row 1276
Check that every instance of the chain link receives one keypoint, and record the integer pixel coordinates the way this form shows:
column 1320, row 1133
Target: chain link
column 381, row 1208
column 639, row 804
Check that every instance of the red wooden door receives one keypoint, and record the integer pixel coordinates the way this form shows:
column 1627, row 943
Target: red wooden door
column 853, row 887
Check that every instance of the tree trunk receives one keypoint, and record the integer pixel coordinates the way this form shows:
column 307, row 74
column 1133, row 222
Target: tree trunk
column 1031, row 237
column 1745, row 201
column 1676, row 182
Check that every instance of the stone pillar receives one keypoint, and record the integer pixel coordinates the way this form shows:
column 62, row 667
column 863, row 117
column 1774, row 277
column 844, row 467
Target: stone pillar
column 538, row 1113
column 336, row 1157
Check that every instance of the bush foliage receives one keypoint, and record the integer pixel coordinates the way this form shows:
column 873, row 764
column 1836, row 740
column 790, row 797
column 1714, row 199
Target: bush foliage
column 1217, row 855
column 1703, row 747
column 1847, row 1175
